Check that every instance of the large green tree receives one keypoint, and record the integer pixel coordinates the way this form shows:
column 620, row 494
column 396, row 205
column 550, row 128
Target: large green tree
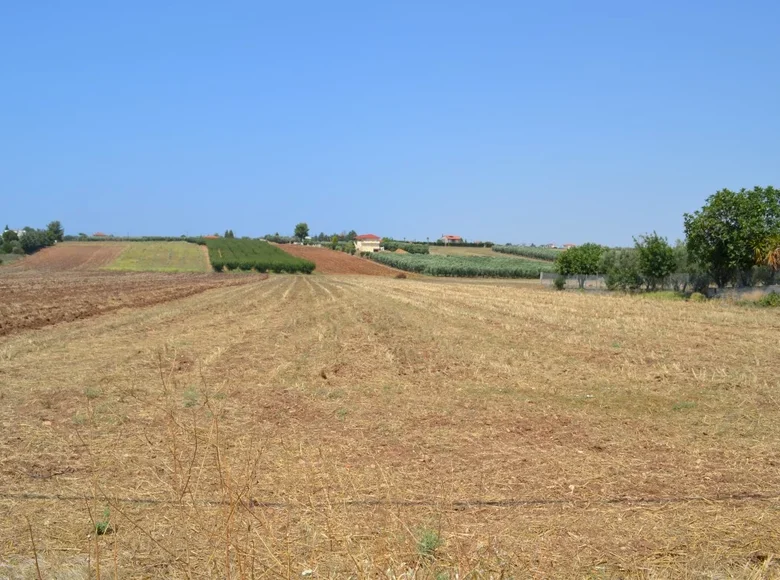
column 656, row 259
column 724, row 234
column 55, row 230
column 301, row 231
column 582, row 261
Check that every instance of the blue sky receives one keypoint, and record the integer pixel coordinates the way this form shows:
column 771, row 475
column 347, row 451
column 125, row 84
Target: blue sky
column 510, row 121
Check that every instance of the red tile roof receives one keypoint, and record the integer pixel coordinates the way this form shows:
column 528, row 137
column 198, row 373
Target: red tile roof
column 99, row 235
column 367, row 237
column 451, row 237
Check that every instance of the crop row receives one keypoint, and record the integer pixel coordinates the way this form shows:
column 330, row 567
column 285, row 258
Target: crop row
column 409, row 247
column 548, row 254
column 240, row 254
column 463, row 266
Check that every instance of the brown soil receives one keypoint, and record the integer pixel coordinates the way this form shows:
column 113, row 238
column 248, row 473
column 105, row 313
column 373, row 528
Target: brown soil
column 73, row 256
column 333, row 262
column 42, row 298
column 328, row 424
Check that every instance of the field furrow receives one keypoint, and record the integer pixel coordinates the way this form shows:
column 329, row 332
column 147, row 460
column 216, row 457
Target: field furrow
column 327, row 423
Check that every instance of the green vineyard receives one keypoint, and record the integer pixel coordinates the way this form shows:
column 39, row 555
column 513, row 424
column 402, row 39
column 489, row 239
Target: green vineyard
column 548, row 254
column 463, row 266
column 239, row 254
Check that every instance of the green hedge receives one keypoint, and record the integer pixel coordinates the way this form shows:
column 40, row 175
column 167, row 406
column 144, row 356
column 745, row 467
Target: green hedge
column 242, row 254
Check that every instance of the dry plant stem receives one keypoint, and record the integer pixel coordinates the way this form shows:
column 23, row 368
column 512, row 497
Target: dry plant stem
column 538, row 434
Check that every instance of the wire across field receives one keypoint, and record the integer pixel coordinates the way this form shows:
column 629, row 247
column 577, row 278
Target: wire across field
column 463, row 266
column 246, row 254
column 373, row 427
column 160, row 257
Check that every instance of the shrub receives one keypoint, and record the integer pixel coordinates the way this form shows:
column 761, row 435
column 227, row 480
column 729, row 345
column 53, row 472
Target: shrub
column 247, row 254
column 656, row 260
column 581, row 261
column 622, row 269
column 559, row 283
column 698, row 297
column 771, row 300
column 217, row 266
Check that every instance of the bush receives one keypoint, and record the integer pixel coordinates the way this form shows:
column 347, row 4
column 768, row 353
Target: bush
column 582, row 261
column 698, row 297
column 247, row 254
column 622, row 269
column 559, row 283
column 656, row 260
column 217, row 266
column 771, row 300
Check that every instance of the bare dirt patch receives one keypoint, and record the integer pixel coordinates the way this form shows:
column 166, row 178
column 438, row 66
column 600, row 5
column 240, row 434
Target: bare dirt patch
column 73, row 256
column 334, row 262
column 35, row 299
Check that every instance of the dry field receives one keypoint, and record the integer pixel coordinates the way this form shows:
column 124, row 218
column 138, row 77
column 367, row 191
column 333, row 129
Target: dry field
column 333, row 427
column 73, row 256
column 333, row 262
column 38, row 299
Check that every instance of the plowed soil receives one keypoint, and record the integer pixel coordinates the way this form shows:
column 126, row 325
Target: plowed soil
column 35, row 299
column 80, row 256
column 333, row 262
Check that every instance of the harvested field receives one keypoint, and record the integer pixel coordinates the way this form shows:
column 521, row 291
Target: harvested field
column 73, row 256
column 332, row 262
column 38, row 299
column 329, row 427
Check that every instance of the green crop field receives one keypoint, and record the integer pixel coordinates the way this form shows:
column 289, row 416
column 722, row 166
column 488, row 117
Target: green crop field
column 235, row 254
column 464, row 266
column 160, row 257
column 548, row 254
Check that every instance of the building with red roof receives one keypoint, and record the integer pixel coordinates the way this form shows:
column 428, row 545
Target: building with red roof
column 367, row 243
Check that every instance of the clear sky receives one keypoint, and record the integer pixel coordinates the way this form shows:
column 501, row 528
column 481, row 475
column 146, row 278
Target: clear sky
column 506, row 120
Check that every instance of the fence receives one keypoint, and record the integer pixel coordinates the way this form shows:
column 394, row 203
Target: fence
column 748, row 292
column 591, row 282
column 679, row 282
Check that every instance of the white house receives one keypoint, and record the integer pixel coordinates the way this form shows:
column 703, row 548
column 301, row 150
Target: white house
column 367, row 243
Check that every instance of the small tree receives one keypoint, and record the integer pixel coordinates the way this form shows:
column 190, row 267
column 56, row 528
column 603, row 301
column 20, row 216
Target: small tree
column 301, row 231
column 581, row 261
column 621, row 266
column 229, row 234
column 334, row 242
column 9, row 235
column 351, row 236
column 656, row 259
column 55, row 230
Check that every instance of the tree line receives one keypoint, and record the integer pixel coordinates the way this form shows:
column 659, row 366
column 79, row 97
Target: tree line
column 734, row 239
column 31, row 240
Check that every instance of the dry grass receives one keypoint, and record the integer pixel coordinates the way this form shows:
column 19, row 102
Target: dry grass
column 161, row 257
column 337, row 425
